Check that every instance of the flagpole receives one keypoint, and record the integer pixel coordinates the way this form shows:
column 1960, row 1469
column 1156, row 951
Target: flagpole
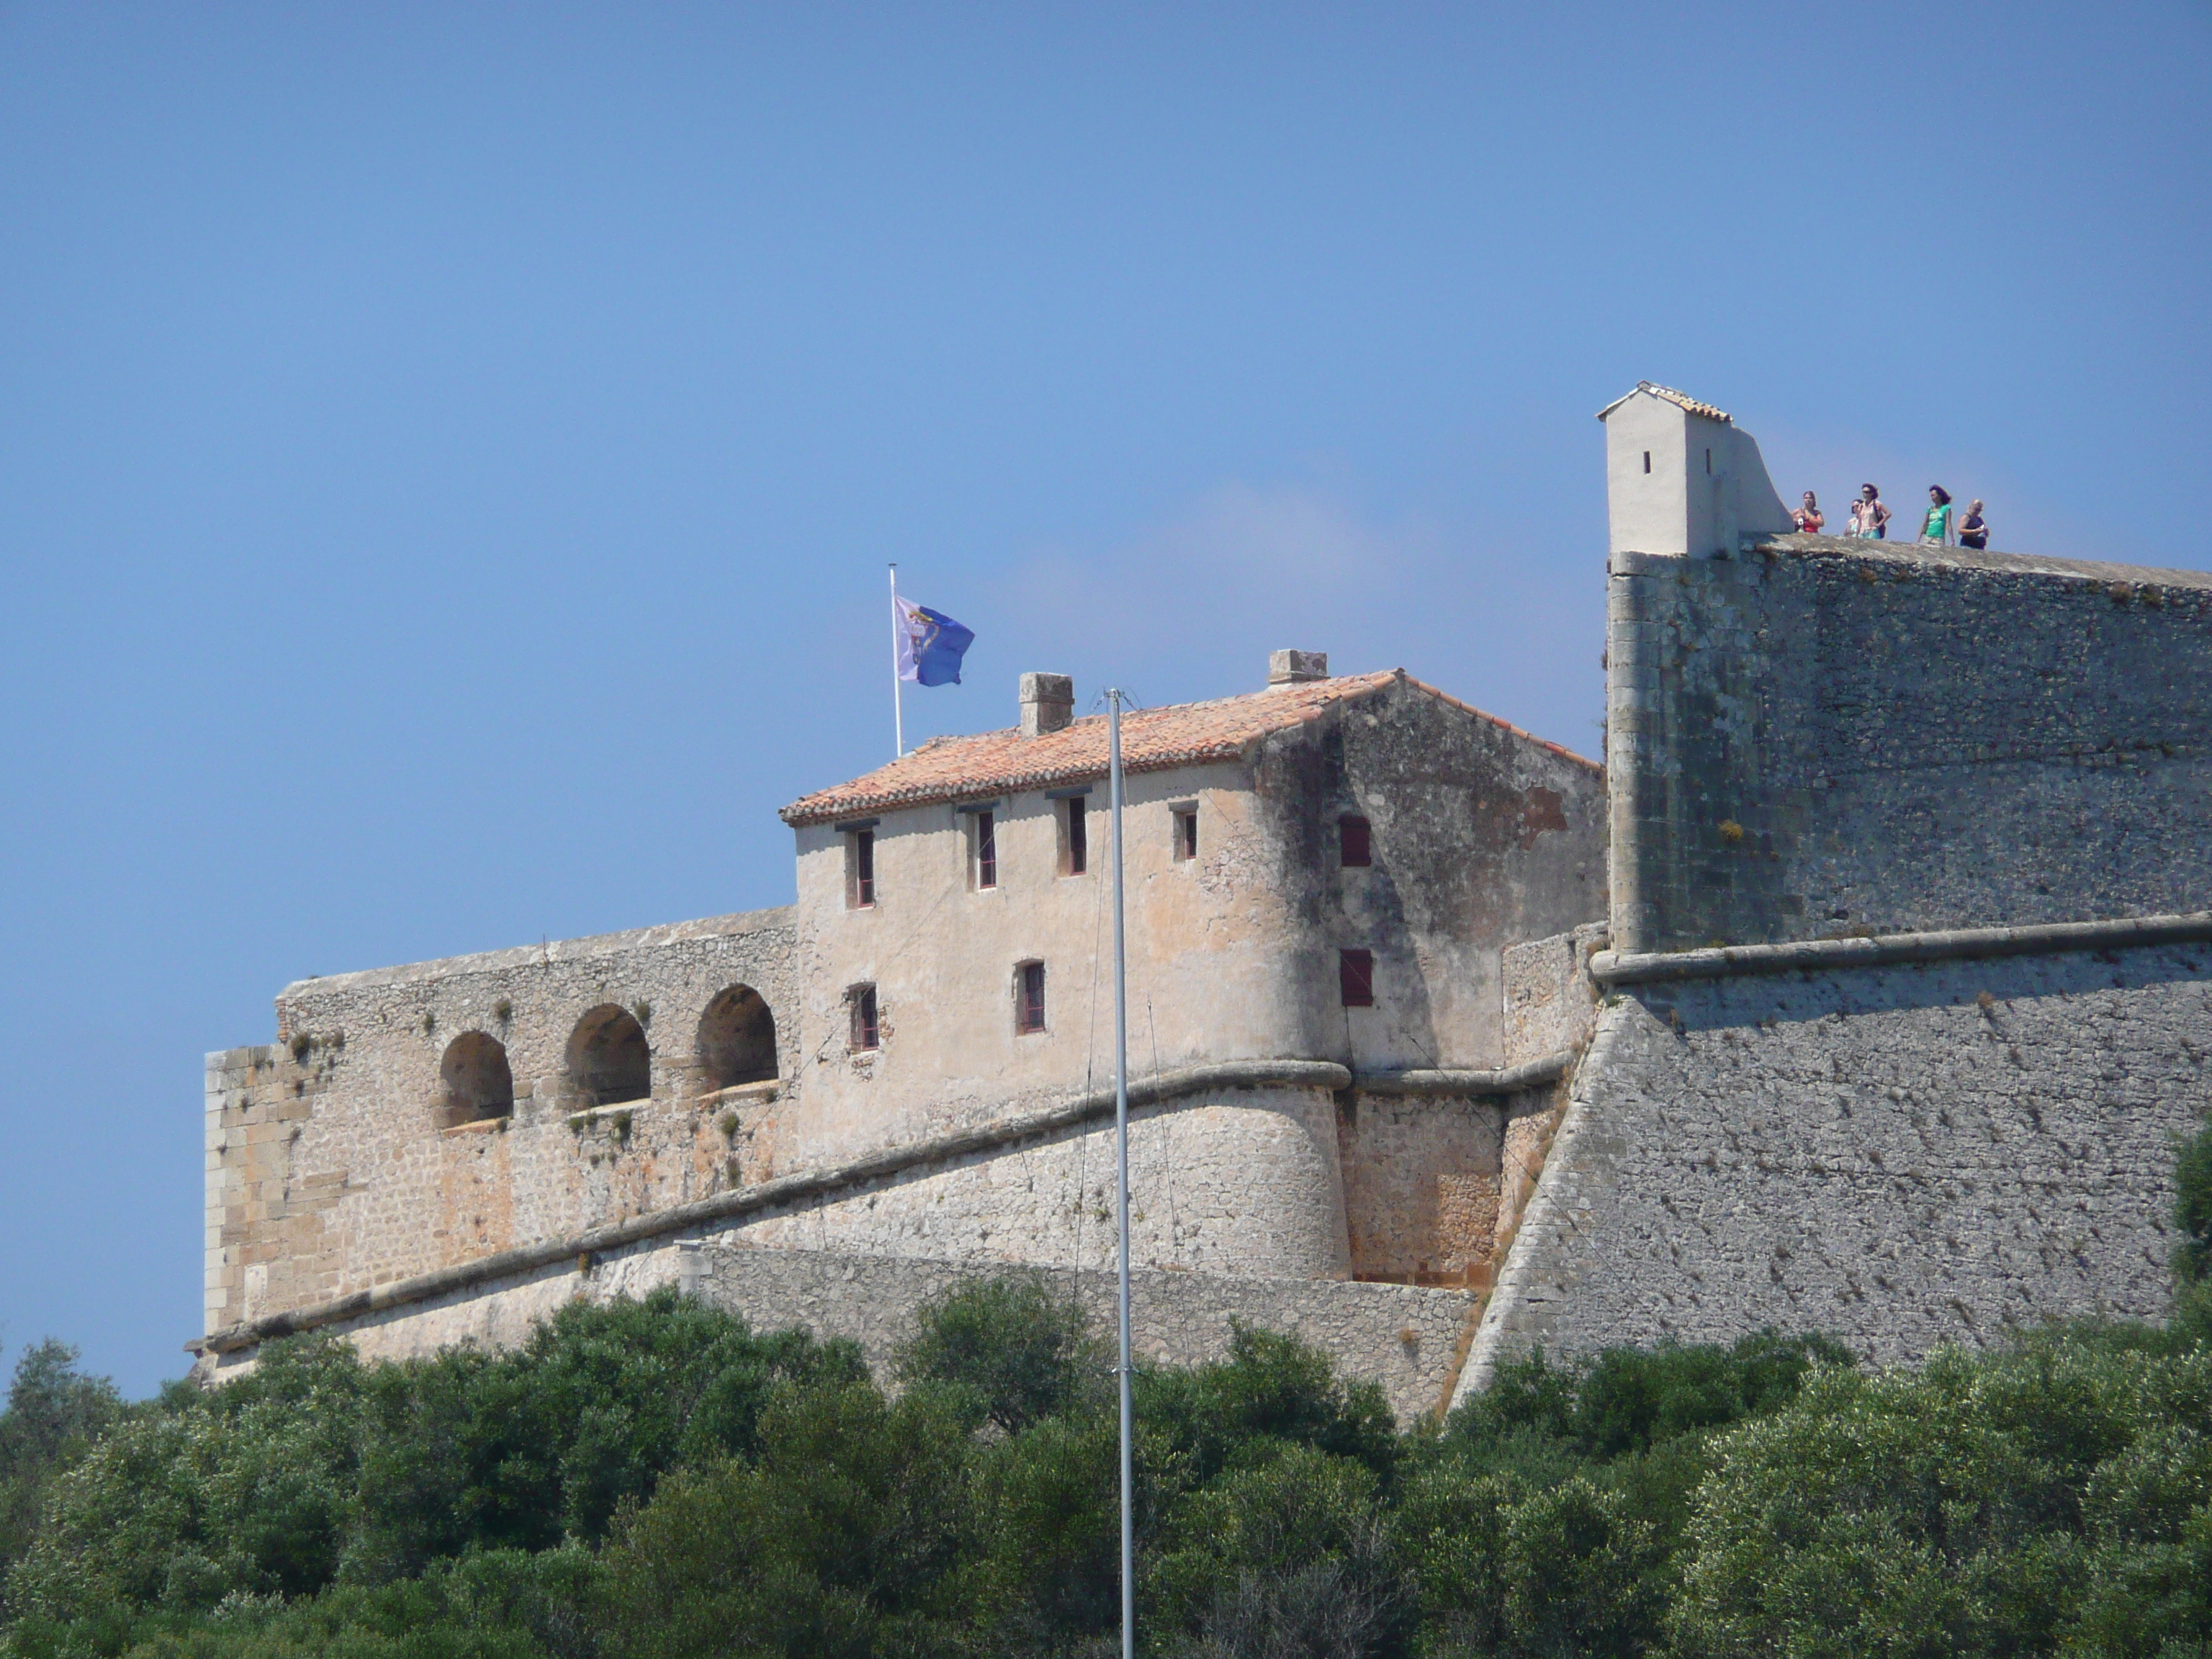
column 898, row 691
column 1121, row 1181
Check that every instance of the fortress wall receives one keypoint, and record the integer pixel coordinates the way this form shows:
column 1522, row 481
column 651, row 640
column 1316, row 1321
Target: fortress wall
column 1405, row 1338
column 1245, row 1182
column 329, row 1169
column 1823, row 736
column 265, row 1243
column 1901, row 1157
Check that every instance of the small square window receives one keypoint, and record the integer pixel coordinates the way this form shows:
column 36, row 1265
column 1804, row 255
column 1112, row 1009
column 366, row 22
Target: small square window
column 1355, row 978
column 1356, row 840
column 867, row 1032
column 986, row 833
column 1075, row 836
column 1186, row 833
column 1028, row 998
column 861, row 869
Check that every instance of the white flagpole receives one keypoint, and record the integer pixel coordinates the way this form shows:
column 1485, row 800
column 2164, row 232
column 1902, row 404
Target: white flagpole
column 898, row 691
column 1121, row 1183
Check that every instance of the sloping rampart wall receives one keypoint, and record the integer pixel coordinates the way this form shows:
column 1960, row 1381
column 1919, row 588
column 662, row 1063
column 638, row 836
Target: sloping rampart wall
column 1901, row 1157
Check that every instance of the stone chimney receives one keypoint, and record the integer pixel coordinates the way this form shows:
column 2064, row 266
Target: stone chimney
column 1047, row 703
column 1294, row 667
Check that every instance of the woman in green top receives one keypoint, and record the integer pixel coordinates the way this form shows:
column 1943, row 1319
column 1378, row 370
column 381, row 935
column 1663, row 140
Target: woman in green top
column 1936, row 527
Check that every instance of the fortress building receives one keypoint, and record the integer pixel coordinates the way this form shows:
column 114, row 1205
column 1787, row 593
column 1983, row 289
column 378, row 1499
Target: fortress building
column 1867, row 998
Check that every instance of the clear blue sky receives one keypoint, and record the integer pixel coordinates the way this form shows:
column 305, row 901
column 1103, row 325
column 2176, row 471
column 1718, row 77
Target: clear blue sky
column 448, row 454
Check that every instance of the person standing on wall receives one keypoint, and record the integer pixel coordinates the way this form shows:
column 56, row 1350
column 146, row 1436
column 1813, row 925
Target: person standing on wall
column 1973, row 529
column 1935, row 528
column 1808, row 517
column 1869, row 515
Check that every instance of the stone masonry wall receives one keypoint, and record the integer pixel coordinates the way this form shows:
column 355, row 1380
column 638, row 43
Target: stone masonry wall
column 331, row 1168
column 1825, row 737
column 1408, row 1340
column 1901, row 1157
column 1243, row 1181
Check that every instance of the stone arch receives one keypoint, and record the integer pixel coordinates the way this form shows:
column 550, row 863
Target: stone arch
column 474, row 1083
column 737, row 1040
column 609, row 1063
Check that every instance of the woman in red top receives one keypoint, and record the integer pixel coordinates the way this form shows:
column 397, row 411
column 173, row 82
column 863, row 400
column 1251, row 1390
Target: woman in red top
column 1808, row 517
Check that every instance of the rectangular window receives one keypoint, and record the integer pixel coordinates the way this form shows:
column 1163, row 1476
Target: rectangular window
column 1186, row 833
column 860, row 868
column 1078, row 837
column 867, row 1033
column 1355, row 841
column 1028, row 998
column 986, row 849
column 1355, row 978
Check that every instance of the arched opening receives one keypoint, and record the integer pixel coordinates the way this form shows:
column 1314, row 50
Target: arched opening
column 608, row 1062
column 737, row 1040
column 474, row 1082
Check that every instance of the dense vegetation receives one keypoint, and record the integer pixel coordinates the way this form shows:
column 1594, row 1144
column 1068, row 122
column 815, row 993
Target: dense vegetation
column 650, row 1480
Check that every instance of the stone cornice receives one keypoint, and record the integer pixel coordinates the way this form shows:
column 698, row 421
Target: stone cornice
column 1723, row 961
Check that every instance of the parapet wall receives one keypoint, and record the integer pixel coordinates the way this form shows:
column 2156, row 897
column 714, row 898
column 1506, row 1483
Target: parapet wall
column 1824, row 737
column 334, row 1157
column 1901, row 1157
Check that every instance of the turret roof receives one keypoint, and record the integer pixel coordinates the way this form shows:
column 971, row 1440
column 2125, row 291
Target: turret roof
column 1679, row 399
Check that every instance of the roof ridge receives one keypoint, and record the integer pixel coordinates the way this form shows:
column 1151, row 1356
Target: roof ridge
column 1002, row 759
column 1681, row 400
column 1207, row 730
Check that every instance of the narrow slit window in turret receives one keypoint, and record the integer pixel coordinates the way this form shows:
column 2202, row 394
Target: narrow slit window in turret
column 861, row 862
column 1028, row 998
column 1078, row 837
column 986, row 849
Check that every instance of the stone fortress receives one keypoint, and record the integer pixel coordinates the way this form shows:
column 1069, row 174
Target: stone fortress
column 1863, row 989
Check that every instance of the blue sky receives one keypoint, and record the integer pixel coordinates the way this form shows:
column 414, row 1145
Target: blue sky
column 449, row 454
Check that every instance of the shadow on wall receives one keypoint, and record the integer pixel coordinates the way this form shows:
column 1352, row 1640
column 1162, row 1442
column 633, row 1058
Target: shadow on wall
column 474, row 1081
column 737, row 1040
column 608, row 1062
column 1755, row 999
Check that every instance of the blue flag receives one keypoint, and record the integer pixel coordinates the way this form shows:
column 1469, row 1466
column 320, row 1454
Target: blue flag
column 930, row 644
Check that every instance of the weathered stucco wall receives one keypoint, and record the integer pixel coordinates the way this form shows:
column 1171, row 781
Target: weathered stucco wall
column 331, row 1159
column 1901, row 1157
column 1206, row 973
column 1824, row 737
column 1481, row 836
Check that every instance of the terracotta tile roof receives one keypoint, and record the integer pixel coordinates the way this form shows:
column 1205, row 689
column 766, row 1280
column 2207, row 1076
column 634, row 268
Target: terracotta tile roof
column 1679, row 399
column 1152, row 740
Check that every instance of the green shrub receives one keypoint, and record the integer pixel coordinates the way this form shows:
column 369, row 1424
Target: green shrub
column 1027, row 1354
column 54, row 1414
column 1984, row 1504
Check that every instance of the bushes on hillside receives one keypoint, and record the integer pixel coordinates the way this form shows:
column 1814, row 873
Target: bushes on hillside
column 654, row 1480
